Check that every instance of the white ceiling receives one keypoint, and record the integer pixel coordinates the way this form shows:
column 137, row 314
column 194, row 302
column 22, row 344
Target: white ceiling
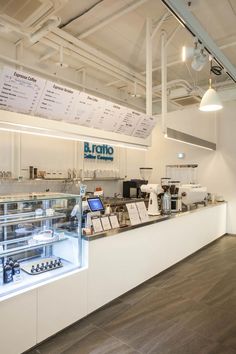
column 119, row 41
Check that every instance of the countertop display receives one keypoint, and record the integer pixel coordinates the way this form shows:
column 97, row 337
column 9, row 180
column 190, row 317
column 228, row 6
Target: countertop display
column 152, row 220
column 38, row 239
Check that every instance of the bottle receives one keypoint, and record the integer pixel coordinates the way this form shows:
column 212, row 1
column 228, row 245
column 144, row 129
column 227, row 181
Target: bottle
column 11, row 262
column 16, row 268
column 166, row 201
column 7, row 273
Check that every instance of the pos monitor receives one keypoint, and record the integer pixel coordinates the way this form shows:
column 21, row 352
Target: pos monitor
column 95, row 204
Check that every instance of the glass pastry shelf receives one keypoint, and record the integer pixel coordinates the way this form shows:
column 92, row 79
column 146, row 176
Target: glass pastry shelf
column 31, row 219
column 16, row 250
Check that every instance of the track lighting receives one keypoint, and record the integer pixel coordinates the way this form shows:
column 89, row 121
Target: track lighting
column 198, row 55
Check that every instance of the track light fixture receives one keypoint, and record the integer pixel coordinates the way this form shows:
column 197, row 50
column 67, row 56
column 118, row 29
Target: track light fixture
column 196, row 53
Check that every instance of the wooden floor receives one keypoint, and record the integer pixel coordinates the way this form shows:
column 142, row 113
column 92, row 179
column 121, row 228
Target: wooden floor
column 189, row 309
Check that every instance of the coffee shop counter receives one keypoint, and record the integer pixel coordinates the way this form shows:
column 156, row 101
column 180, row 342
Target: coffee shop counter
column 121, row 259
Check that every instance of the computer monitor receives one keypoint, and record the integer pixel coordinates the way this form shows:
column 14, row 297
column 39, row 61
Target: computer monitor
column 95, row 204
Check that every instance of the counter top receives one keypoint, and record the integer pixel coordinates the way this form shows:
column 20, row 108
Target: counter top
column 152, row 220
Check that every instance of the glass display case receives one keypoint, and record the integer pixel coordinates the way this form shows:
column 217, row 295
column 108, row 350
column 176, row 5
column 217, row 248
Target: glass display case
column 40, row 238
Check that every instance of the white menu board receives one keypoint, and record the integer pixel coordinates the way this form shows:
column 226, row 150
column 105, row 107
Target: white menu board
column 86, row 109
column 20, row 91
column 145, row 126
column 57, row 101
column 129, row 122
column 110, row 117
column 26, row 93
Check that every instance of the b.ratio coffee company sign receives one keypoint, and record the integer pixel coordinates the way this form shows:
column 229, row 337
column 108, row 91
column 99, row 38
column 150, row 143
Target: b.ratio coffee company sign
column 98, row 152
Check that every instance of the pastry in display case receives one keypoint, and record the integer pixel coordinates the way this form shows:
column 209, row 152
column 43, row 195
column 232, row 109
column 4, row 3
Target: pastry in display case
column 39, row 239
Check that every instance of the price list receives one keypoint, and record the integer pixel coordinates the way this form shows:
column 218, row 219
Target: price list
column 20, row 91
column 110, row 117
column 129, row 122
column 86, row 109
column 144, row 127
column 57, row 102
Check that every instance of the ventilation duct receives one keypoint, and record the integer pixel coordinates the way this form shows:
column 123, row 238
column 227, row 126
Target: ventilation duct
column 24, row 13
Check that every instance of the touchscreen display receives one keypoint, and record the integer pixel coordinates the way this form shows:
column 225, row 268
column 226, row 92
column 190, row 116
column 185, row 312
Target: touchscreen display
column 95, row 204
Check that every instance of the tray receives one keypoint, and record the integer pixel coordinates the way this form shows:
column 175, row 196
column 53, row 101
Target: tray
column 27, row 267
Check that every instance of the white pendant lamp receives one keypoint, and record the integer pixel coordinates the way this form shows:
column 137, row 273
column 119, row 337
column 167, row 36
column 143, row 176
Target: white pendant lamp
column 210, row 101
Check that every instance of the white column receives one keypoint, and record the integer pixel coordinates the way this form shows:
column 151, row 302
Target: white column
column 163, row 80
column 148, row 66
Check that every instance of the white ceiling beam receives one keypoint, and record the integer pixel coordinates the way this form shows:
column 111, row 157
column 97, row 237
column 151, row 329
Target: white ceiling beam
column 62, row 79
column 48, row 55
column 171, row 37
column 159, row 24
column 181, row 10
column 94, row 52
column 112, row 83
column 111, row 18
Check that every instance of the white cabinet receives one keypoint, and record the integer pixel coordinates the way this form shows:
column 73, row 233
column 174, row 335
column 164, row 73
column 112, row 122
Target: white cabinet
column 18, row 323
column 121, row 262
column 61, row 303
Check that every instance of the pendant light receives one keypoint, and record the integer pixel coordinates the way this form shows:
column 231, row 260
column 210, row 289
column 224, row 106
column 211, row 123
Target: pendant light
column 210, row 101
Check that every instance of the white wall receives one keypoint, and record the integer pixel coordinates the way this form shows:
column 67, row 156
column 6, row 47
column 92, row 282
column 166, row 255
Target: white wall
column 217, row 169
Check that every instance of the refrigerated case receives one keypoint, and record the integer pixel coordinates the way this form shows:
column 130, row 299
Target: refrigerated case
column 39, row 239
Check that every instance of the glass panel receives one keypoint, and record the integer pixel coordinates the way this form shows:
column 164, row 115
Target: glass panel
column 39, row 239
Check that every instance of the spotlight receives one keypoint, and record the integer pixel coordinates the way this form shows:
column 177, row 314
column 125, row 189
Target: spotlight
column 199, row 61
column 197, row 53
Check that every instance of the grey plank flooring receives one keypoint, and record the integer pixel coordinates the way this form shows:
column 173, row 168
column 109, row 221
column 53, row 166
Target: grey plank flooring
column 188, row 309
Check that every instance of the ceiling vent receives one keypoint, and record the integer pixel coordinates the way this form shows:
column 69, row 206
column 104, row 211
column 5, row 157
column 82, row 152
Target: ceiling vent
column 187, row 100
column 24, row 13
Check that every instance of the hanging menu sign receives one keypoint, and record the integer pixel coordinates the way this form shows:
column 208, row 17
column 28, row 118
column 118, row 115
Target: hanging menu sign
column 26, row 93
column 109, row 117
column 56, row 102
column 129, row 122
column 20, row 91
column 87, row 108
column 144, row 127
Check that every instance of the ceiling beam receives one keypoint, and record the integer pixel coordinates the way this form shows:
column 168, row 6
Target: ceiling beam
column 111, row 18
column 180, row 10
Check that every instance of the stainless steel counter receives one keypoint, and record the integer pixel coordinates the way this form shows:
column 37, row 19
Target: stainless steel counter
column 152, row 220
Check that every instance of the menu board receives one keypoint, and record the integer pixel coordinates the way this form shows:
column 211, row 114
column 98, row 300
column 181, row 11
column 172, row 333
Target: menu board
column 86, row 109
column 56, row 102
column 20, row 91
column 110, row 116
column 26, row 93
column 144, row 127
column 129, row 122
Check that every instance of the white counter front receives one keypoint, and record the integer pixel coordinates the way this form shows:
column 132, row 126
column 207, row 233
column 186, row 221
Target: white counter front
column 118, row 263
column 113, row 265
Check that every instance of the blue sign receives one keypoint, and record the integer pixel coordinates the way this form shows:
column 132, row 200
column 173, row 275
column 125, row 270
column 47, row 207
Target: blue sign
column 98, row 152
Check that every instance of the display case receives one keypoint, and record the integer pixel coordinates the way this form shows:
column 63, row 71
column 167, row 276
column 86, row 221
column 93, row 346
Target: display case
column 40, row 238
